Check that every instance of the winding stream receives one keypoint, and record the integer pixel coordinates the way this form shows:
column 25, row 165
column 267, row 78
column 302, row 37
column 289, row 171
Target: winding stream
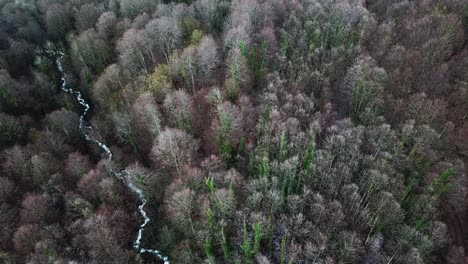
column 86, row 129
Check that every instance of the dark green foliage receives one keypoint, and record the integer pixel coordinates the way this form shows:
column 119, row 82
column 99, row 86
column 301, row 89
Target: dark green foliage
column 442, row 184
column 225, row 245
column 258, row 236
column 415, row 178
column 361, row 97
column 210, row 184
column 282, row 147
column 12, row 131
column 246, row 245
column 217, row 16
column 284, row 240
column 257, row 59
column 309, row 157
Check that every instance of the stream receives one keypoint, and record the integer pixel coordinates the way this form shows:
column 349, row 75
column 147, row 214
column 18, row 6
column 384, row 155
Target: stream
column 86, row 128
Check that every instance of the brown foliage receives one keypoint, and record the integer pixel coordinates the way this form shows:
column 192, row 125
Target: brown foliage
column 107, row 235
column 37, row 209
column 25, row 238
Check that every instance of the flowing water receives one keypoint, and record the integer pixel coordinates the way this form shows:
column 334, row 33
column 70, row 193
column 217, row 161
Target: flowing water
column 86, row 129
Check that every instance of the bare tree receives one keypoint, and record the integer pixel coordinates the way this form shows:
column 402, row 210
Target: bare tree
column 12, row 129
column 106, row 25
column 58, row 21
column 17, row 164
column 107, row 235
column 76, row 166
column 7, row 189
column 91, row 50
column 180, row 207
column 13, row 95
column 179, row 108
column 174, row 148
column 25, row 238
column 165, row 31
column 135, row 51
column 65, row 124
column 107, row 85
column 125, row 131
column 87, row 15
column 131, row 9
column 188, row 67
column 8, row 223
column 146, row 114
column 208, row 59
column 36, row 209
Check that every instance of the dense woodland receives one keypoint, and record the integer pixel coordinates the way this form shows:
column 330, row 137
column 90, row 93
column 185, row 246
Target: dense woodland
column 262, row 131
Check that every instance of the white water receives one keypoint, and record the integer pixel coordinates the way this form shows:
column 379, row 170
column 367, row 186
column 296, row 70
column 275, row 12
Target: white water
column 123, row 176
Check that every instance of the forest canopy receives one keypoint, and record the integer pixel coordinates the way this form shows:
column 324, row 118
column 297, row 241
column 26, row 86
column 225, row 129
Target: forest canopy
column 234, row 131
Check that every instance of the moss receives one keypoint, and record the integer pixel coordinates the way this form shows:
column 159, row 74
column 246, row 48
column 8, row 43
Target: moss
column 159, row 82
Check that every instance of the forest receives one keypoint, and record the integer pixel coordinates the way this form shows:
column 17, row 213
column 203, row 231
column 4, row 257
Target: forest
column 233, row 131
